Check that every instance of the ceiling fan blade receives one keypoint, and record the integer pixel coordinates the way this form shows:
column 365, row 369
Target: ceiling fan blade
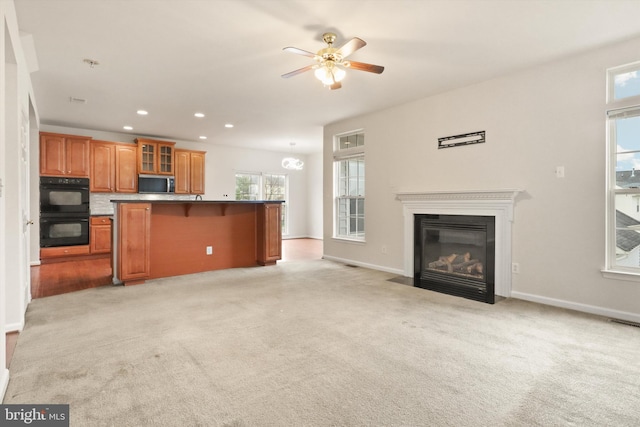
column 351, row 46
column 299, row 52
column 298, row 71
column 336, row 85
column 362, row 66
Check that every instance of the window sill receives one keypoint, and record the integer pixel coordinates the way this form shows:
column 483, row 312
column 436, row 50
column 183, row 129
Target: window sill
column 621, row 275
column 348, row 240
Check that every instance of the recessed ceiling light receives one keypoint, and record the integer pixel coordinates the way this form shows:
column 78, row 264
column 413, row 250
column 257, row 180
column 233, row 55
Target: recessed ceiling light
column 199, row 115
column 228, row 125
column 127, row 128
column 142, row 112
column 202, row 137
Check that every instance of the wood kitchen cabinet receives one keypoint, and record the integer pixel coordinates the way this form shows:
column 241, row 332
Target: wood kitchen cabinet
column 64, row 155
column 189, row 171
column 62, row 252
column 133, row 242
column 113, row 167
column 102, row 167
column 100, row 235
column 155, row 157
column 126, row 176
column 269, row 233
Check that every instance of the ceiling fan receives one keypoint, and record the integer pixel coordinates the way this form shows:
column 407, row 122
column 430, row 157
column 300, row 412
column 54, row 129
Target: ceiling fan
column 330, row 61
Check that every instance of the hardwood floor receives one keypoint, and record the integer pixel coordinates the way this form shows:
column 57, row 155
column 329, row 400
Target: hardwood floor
column 12, row 339
column 301, row 249
column 63, row 277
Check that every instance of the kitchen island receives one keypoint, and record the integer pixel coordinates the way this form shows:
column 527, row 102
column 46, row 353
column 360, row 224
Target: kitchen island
column 163, row 238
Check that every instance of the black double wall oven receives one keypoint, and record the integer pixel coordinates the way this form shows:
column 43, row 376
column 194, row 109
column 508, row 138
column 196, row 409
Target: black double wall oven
column 64, row 211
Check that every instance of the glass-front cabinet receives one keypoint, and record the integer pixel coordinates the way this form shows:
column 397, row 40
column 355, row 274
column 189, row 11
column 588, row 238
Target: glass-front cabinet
column 147, row 157
column 155, row 157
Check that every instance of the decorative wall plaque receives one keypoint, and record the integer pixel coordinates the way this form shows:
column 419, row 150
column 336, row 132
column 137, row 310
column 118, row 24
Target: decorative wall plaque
column 464, row 139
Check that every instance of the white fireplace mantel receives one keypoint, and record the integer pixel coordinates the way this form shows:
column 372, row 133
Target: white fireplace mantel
column 496, row 203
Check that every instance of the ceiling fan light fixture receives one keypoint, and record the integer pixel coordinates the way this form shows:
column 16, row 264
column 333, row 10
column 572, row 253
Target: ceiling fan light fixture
column 329, row 74
column 330, row 62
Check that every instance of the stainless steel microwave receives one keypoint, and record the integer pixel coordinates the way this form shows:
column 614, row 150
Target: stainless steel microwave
column 156, row 184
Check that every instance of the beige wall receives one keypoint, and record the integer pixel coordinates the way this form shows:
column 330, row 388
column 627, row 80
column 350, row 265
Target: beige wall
column 548, row 116
column 314, row 195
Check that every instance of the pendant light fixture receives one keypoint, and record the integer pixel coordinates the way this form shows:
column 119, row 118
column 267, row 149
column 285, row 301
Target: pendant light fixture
column 292, row 163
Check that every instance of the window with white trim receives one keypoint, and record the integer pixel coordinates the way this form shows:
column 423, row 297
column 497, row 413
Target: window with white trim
column 349, row 166
column 624, row 82
column 264, row 186
column 623, row 167
column 248, row 186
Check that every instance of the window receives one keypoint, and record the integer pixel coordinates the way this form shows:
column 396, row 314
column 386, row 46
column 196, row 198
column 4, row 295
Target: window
column 275, row 186
column 624, row 82
column 623, row 213
column 264, row 186
column 349, row 186
column 247, row 186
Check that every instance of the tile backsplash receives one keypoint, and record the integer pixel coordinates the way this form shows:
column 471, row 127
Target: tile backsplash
column 100, row 203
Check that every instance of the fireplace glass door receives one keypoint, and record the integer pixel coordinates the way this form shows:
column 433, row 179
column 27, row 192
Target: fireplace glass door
column 455, row 254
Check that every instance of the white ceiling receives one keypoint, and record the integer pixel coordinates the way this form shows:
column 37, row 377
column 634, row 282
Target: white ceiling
column 224, row 58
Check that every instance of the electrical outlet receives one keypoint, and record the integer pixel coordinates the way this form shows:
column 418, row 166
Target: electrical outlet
column 559, row 171
column 515, row 268
column 383, row 249
column 209, row 250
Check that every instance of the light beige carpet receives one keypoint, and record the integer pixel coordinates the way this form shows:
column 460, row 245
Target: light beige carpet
column 319, row 343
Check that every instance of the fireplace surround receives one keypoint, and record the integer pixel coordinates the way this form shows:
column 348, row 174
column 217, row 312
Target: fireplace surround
column 497, row 204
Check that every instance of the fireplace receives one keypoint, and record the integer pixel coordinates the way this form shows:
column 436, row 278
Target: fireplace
column 455, row 254
column 495, row 204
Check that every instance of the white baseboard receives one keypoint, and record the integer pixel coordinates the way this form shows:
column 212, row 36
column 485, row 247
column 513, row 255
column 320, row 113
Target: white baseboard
column 4, row 383
column 35, row 263
column 585, row 308
column 592, row 309
column 14, row 327
column 300, row 237
column 365, row 265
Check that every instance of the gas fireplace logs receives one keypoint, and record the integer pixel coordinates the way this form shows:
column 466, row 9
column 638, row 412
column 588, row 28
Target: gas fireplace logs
column 461, row 264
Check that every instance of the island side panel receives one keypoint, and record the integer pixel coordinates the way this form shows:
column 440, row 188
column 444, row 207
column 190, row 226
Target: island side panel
column 180, row 234
column 269, row 227
column 133, row 240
